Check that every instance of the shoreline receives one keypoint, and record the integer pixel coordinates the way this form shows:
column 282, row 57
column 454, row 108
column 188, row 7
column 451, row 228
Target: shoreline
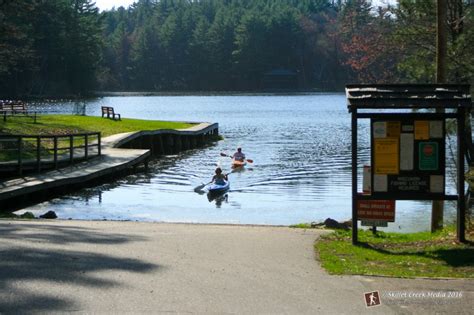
column 210, row 93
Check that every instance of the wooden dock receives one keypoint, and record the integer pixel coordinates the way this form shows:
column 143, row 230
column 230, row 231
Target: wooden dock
column 115, row 159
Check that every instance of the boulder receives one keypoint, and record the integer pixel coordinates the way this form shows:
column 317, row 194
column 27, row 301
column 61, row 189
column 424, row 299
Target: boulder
column 333, row 224
column 49, row 215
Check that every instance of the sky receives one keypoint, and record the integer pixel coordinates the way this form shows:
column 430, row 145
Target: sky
column 109, row 4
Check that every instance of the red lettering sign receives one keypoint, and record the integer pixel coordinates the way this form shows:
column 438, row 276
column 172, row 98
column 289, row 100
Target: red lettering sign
column 380, row 210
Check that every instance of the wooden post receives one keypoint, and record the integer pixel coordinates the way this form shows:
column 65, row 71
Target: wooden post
column 86, row 146
column 170, row 144
column 461, row 215
column 71, row 149
column 38, row 154
column 146, row 164
column 99, row 140
column 151, row 146
column 162, row 148
column 354, row 175
column 187, row 143
column 178, row 146
column 20, row 152
column 55, row 154
column 374, row 230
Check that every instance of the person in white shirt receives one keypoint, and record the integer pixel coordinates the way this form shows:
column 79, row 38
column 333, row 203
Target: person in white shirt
column 239, row 156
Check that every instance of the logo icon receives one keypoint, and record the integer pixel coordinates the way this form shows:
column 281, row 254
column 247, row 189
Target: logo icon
column 372, row 298
column 428, row 150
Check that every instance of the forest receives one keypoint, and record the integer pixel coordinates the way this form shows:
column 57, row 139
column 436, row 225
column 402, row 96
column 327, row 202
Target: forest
column 57, row 48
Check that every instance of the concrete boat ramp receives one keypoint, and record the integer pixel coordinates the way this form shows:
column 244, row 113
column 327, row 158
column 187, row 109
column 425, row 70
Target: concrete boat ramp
column 19, row 192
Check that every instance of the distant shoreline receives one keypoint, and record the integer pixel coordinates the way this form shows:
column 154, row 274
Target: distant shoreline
column 96, row 94
column 209, row 93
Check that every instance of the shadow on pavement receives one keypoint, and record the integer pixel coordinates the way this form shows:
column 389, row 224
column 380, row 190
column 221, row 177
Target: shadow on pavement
column 46, row 266
column 56, row 234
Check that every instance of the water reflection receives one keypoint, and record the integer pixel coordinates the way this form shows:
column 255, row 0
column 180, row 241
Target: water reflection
column 218, row 199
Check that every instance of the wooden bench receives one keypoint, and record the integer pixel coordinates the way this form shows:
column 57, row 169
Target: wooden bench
column 108, row 112
column 12, row 108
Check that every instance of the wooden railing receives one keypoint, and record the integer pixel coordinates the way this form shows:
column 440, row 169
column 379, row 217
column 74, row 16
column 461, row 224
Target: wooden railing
column 36, row 152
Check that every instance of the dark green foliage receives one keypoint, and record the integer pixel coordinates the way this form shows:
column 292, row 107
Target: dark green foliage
column 217, row 44
column 48, row 47
column 66, row 47
column 415, row 35
column 16, row 46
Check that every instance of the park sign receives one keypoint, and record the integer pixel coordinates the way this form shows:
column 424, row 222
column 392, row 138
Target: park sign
column 376, row 210
column 408, row 157
column 407, row 141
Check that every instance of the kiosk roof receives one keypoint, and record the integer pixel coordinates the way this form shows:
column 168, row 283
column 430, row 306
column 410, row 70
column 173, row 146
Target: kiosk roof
column 419, row 96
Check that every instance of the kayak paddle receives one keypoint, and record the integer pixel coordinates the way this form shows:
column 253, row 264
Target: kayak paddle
column 248, row 160
column 200, row 187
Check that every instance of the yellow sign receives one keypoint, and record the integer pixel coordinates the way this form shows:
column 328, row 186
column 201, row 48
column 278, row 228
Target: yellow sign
column 393, row 129
column 422, row 130
column 386, row 156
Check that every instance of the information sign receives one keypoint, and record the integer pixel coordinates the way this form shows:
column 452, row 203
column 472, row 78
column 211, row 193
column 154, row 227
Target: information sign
column 378, row 223
column 422, row 130
column 406, row 151
column 386, row 156
column 383, row 210
column 393, row 129
column 436, row 129
column 409, row 184
column 428, row 156
column 408, row 158
column 380, row 129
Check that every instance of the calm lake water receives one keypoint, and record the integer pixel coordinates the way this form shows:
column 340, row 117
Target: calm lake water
column 301, row 149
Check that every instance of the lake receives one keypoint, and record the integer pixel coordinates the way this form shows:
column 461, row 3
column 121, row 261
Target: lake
column 300, row 145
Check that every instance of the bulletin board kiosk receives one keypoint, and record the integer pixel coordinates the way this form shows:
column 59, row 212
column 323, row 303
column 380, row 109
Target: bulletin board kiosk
column 407, row 147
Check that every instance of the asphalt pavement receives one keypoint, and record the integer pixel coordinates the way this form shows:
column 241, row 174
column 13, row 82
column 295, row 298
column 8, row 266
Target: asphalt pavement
column 110, row 267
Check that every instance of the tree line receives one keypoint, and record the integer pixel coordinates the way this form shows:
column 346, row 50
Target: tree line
column 68, row 47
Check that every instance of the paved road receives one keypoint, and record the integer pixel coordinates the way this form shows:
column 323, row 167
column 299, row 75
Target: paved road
column 131, row 267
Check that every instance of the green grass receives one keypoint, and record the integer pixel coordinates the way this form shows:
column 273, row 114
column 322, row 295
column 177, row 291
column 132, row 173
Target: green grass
column 69, row 124
column 398, row 255
column 9, row 215
column 301, row 226
column 64, row 124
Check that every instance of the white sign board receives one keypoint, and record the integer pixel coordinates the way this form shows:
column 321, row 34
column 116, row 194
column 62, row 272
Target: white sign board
column 407, row 145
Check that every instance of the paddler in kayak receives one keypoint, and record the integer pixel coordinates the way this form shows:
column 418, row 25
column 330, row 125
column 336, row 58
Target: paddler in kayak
column 239, row 155
column 219, row 178
column 238, row 159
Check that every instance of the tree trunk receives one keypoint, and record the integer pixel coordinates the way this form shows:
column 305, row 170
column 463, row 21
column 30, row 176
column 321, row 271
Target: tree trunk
column 437, row 210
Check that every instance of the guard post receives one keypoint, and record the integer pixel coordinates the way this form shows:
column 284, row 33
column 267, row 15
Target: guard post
column 408, row 142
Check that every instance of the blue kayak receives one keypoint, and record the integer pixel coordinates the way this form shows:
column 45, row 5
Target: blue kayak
column 217, row 188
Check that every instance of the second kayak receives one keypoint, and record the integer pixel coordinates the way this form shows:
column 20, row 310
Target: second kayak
column 217, row 188
column 236, row 164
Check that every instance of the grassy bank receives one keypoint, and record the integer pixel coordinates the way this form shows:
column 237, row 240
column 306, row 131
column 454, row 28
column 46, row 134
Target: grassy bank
column 69, row 124
column 64, row 124
column 395, row 254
